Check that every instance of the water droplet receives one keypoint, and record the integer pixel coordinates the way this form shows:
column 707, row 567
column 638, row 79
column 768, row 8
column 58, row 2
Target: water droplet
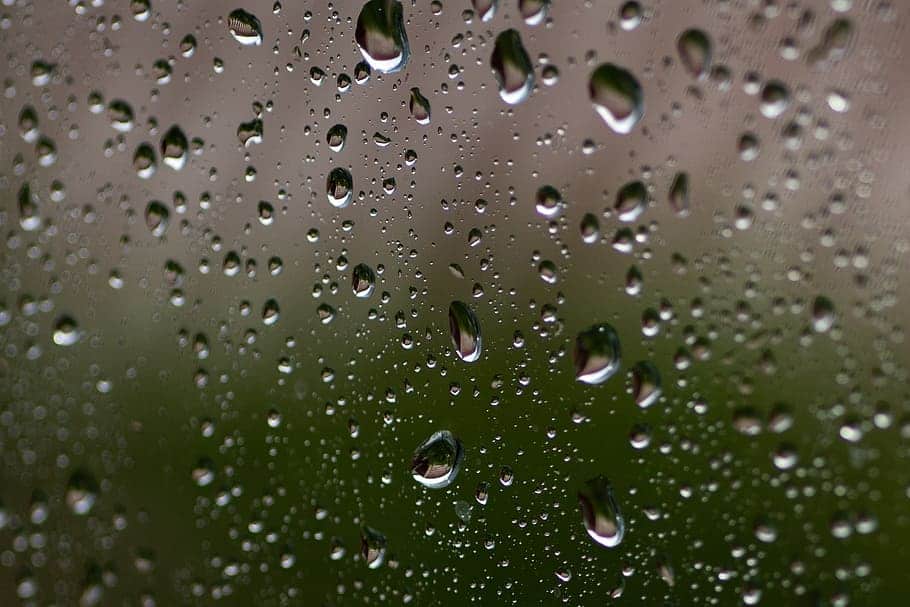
column 121, row 115
column 419, row 106
column 485, row 9
column 679, row 194
column 144, row 162
column 834, row 44
column 437, row 460
column 28, row 124
column 600, row 513
column 590, row 228
column 157, row 218
column 245, row 27
column 66, row 331
column 81, row 492
column 775, row 99
column 381, row 36
column 204, row 472
column 362, row 72
column 325, row 313
column 838, row 101
column 141, row 9
column 336, row 137
column 548, row 271
column 548, row 201
column 42, row 73
column 372, row 547
column 749, row 147
column 26, row 585
column 363, row 280
column 339, row 187
column 188, row 46
column 174, row 148
column 270, row 312
column 617, row 97
column 695, row 51
column 822, row 314
column 512, row 67
column 465, row 331
column 29, row 218
column 482, row 493
column 630, row 15
column 250, row 132
column 266, row 213
column 597, row 354
column 646, row 387
column 533, row 11
column 631, row 201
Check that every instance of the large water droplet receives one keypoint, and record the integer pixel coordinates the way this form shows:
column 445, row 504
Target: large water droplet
column 29, row 218
column 66, row 331
column 533, row 11
column 141, row 9
column 548, row 201
column 157, row 218
column 590, row 228
column 630, row 15
column 419, row 106
column 597, row 354
column 485, row 9
column 336, row 137
column 203, row 473
column 245, row 27
column 512, row 67
column 437, row 460
column 775, row 99
column 339, row 187
column 617, row 97
column 646, row 388
column 372, row 547
column 834, row 44
column 631, row 201
column 381, row 36
column 250, row 132
column 363, row 280
column 144, row 162
column 694, row 48
column 600, row 513
column 174, row 148
column 679, row 194
column 465, row 331
column 270, row 312
column 121, row 115
column 822, row 314
column 81, row 492
column 28, row 124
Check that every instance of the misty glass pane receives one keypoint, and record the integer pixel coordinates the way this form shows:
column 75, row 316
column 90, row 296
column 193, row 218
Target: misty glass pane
column 454, row 302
